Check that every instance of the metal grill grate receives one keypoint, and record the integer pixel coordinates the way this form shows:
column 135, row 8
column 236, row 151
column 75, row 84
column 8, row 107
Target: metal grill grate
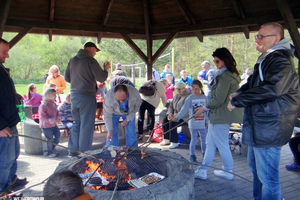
column 136, row 166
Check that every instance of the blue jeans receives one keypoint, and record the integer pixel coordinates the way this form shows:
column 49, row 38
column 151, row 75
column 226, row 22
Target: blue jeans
column 217, row 137
column 9, row 152
column 194, row 137
column 130, row 132
column 83, row 112
column 52, row 135
column 68, row 124
column 264, row 163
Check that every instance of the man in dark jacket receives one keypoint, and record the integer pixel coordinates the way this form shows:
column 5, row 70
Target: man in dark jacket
column 270, row 98
column 82, row 72
column 9, row 118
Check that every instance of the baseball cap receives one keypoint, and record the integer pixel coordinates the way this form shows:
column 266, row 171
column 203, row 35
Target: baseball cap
column 91, row 44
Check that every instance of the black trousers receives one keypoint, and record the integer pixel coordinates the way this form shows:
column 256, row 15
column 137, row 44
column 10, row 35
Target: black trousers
column 173, row 135
column 294, row 146
column 151, row 110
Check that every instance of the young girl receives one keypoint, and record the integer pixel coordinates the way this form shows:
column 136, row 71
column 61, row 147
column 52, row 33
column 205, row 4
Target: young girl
column 32, row 98
column 49, row 117
column 170, row 87
column 197, row 124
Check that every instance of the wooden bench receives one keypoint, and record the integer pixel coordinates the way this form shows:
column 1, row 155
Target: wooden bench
column 98, row 124
column 64, row 128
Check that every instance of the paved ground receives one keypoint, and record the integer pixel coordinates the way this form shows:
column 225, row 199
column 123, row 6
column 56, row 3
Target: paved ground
column 37, row 168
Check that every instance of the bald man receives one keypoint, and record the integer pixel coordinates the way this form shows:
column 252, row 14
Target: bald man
column 121, row 101
column 270, row 98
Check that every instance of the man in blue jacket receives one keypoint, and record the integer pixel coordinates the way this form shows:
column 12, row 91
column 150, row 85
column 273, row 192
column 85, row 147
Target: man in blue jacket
column 270, row 98
column 9, row 118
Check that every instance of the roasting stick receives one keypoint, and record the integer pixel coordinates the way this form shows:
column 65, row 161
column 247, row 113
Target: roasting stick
column 26, row 136
column 147, row 143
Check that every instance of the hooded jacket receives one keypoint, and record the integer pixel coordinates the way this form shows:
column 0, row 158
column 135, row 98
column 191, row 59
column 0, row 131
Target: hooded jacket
column 83, row 71
column 224, row 84
column 270, row 98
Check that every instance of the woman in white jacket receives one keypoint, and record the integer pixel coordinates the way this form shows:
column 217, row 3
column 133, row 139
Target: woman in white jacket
column 150, row 103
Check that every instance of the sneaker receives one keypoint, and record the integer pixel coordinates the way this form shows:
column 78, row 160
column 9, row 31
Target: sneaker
column 193, row 158
column 52, row 155
column 293, row 167
column 164, row 142
column 173, row 145
column 19, row 182
column 72, row 154
column 140, row 137
column 224, row 174
column 201, row 174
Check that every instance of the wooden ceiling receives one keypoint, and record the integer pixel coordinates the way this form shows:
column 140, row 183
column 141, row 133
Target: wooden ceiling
column 139, row 18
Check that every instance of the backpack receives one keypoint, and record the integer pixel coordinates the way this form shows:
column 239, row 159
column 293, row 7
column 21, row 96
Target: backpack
column 148, row 90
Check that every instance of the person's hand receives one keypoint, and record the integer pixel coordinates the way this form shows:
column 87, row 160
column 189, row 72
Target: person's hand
column 71, row 119
column 125, row 122
column 6, row 132
column 230, row 106
column 175, row 119
column 109, row 136
column 206, row 125
column 233, row 95
column 58, row 121
column 170, row 116
column 106, row 66
column 200, row 110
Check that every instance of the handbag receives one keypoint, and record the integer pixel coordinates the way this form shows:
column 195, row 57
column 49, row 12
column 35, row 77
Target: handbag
column 148, row 90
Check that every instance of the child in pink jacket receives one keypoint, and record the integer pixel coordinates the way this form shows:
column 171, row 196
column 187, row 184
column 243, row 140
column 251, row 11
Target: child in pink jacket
column 49, row 117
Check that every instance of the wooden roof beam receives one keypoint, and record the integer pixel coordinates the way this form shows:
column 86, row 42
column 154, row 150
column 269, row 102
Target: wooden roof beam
column 164, row 46
column 148, row 37
column 240, row 14
column 137, row 50
column 107, row 11
column 99, row 37
column 4, row 9
column 51, row 17
column 211, row 26
column 290, row 23
column 189, row 17
column 18, row 37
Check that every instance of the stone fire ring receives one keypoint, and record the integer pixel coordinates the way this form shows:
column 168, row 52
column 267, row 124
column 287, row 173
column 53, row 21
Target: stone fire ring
column 178, row 185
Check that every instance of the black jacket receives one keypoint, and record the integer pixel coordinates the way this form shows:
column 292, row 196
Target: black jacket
column 270, row 105
column 8, row 112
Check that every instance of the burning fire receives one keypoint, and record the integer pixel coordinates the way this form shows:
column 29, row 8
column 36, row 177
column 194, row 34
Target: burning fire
column 91, row 166
column 121, row 168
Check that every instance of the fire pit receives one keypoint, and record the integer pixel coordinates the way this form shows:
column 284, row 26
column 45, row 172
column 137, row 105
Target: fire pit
column 178, row 182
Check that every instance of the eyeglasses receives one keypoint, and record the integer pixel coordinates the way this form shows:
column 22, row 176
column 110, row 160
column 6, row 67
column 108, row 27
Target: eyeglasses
column 216, row 61
column 260, row 37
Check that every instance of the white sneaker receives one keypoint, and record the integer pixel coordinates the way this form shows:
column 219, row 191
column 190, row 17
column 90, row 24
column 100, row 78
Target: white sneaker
column 173, row 145
column 201, row 174
column 164, row 142
column 224, row 174
column 52, row 155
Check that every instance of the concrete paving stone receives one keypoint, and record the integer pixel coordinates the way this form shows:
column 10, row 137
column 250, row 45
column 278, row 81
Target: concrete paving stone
column 37, row 168
column 238, row 198
column 225, row 196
